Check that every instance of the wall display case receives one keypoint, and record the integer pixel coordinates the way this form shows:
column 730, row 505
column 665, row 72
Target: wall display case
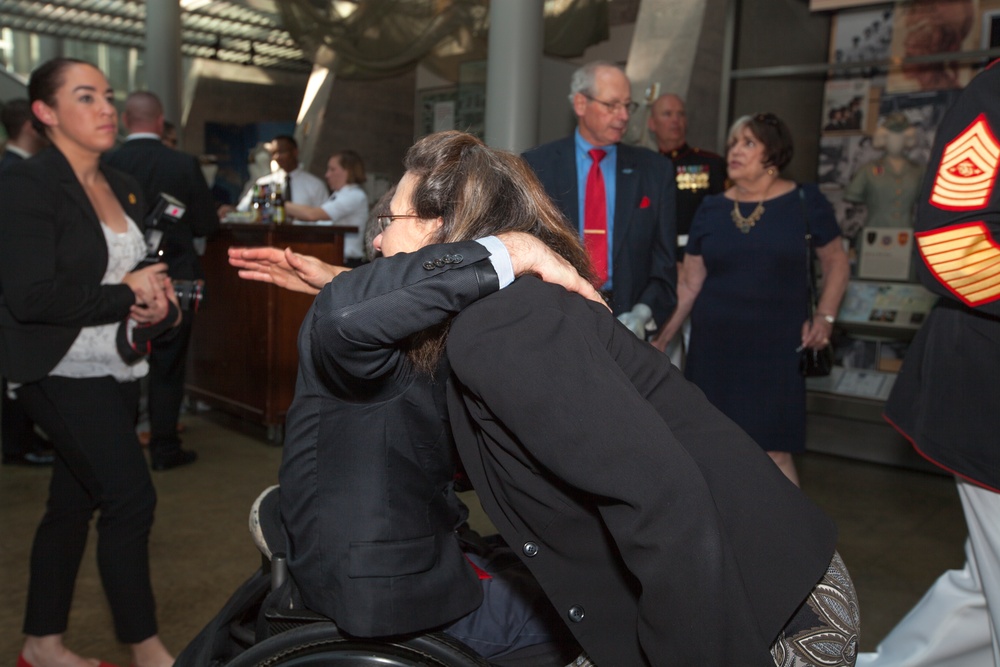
column 874, row 326
column 898, row 90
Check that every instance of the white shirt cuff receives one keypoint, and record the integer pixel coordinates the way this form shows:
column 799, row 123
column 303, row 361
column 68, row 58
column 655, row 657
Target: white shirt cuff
column 500, row 259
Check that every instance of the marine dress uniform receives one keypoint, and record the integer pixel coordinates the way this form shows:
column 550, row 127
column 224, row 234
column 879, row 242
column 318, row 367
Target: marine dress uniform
column 946, row 396
column 698, row 173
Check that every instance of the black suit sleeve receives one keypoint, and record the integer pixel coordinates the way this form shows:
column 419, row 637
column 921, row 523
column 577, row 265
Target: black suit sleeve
column 660, row 292
column 38, row 286
column 362, row 315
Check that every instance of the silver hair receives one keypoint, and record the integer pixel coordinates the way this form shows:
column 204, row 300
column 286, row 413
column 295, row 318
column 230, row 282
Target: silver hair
column 737, row 125
column 584, row 78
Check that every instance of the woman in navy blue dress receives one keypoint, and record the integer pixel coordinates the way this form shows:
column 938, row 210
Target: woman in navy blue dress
column 744, row 286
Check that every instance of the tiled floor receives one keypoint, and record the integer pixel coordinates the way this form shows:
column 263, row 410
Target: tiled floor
column 899, row 529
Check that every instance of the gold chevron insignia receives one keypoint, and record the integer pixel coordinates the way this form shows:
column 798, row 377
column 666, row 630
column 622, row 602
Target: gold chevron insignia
column 964, row 258
column 968, row 169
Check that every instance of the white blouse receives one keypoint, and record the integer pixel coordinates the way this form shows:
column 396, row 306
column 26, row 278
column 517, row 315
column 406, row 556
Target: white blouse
column 94, row 353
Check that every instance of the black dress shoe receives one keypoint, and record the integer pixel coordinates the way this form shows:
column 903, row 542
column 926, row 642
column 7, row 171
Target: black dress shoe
column 30, row 459
column 181, row 457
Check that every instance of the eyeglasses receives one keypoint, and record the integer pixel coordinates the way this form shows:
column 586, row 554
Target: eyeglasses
column 386, row 220
column 629, row 107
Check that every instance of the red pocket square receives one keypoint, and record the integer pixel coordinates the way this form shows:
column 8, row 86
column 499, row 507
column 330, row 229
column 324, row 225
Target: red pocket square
column 645, row 202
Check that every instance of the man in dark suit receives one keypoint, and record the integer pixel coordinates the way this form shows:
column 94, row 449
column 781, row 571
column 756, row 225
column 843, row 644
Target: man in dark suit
column 159, row 168
column 23, row 140
column 21, row 444
column 632, row 238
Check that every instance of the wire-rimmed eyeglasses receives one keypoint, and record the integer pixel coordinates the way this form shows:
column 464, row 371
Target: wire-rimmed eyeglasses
column 386, row 220
column 630, row 107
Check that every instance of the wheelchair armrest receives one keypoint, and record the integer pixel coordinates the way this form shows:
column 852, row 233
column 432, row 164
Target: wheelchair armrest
column 265, row 523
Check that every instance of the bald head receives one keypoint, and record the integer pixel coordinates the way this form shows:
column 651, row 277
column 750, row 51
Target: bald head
column 668, row 122
column 143, row 113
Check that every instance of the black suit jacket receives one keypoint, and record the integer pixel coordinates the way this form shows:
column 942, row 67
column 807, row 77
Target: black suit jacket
column 9, row 158
column 644, row 262
column 367, row 494
column 159, row 168
column 658, row 528
column 53, row 256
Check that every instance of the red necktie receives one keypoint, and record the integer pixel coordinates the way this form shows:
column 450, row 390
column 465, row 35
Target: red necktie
column 595, row 218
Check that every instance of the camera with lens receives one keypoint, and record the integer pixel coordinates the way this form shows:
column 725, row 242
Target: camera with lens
column 168, row 211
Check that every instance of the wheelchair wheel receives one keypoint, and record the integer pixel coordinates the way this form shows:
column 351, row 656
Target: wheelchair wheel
column 321, row 645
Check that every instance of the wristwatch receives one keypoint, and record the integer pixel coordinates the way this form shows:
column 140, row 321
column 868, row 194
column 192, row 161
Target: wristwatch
column 829, row 318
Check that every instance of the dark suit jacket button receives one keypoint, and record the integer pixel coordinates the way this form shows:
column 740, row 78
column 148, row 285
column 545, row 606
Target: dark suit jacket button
column 530, row 549
column 448, row 259
column 456, row 258
column 576, row 613
column 438, row 263
column 429, row 265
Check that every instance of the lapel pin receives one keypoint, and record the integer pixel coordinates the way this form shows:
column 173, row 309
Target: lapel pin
column 627, row 170
column 131, row 198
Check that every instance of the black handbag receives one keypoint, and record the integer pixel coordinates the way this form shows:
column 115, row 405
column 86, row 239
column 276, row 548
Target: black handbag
column 816, row 363
column 812, row 363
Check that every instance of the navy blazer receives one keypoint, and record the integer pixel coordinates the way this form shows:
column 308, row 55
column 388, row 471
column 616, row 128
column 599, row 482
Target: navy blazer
column 644, row 260
column 53, row 256
column 159, row 168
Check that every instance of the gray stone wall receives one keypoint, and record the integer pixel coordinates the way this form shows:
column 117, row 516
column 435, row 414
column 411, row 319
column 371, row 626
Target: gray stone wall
column 784, row 32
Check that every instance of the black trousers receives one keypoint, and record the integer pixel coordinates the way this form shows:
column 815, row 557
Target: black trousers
column 17, row 431
column 167, row 367
column 99, row 467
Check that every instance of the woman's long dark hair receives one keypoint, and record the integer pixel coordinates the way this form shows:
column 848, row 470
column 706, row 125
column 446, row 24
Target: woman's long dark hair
column 480, row 191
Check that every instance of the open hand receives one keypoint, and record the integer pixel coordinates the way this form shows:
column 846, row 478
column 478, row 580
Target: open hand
column 284, row 268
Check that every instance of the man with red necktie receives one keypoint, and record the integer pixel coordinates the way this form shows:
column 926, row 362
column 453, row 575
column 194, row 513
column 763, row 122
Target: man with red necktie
column 621, row 198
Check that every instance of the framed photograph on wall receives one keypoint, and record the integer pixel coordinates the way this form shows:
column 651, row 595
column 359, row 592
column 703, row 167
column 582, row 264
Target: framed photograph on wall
column 840, row 156
column 848, row 106
column 859, row 35
column 932, row 27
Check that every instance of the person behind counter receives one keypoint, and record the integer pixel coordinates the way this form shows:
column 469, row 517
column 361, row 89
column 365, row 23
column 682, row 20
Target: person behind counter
column 347, row 205
column 297, row 184
column 68, row 242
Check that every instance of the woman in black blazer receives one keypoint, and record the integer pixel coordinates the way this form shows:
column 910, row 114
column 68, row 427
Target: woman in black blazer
column 68, row 241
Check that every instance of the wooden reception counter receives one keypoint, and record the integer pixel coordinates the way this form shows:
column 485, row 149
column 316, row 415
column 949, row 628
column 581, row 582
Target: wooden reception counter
column 243, row 357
